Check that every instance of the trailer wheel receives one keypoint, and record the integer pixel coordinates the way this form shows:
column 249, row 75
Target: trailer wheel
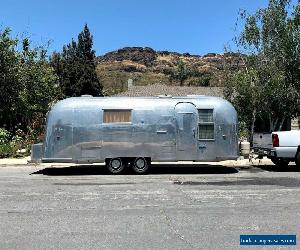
column 140, row 165
column 115, row 165
column 280, row 162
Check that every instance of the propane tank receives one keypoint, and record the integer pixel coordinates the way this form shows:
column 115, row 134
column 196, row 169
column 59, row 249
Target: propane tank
column 245, row 148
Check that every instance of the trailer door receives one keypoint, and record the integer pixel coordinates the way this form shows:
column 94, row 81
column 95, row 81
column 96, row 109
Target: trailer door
column 186, row 116
column 87, row 139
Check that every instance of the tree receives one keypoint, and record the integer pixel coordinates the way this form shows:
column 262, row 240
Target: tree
column 39, row 83
column 76, row 67
column 180, row 73
column 10, row 86
column 268, row 86
column 27, row 82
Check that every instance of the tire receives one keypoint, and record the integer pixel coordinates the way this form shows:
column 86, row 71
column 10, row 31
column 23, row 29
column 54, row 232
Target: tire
column 115, row 165
column 297, row 158
column 280, row 162
column 140, row 165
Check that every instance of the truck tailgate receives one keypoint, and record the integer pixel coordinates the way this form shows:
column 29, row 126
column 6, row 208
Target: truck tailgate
column 262, row 141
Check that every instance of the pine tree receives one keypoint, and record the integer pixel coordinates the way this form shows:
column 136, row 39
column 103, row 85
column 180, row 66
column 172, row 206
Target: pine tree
column 76, row 67
column 88, row 82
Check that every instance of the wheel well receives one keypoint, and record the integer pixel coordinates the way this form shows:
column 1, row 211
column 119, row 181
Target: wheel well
column 107, row 160
column 148, row 159
column 298, row 151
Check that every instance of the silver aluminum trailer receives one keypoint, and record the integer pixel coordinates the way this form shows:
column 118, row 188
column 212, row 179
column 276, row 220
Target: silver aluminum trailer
column 137, row 130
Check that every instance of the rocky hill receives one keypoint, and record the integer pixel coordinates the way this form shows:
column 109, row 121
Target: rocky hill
column 147, row 66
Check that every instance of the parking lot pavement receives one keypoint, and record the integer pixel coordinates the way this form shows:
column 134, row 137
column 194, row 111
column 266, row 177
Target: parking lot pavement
column 175, row 206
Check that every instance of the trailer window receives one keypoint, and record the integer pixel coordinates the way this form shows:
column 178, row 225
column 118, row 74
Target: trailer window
column 206, row 126
column 117, row 116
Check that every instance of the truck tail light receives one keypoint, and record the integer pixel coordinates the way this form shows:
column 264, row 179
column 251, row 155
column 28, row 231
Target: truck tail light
column 275, row 140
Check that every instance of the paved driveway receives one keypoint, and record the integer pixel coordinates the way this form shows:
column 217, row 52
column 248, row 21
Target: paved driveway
column 174, row 207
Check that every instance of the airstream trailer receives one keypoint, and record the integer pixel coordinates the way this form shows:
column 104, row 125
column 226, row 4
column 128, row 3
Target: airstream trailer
column 134, row 131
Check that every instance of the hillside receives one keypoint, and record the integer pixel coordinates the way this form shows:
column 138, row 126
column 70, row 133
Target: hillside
column 147, row 66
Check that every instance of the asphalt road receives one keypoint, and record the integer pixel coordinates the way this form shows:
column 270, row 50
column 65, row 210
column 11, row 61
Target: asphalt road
column 183, row 207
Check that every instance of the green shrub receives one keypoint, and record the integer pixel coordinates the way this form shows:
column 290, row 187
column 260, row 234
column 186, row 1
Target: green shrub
column 17, row 143
column 4, row 136
column 6, row 150
column 244, row 133
column 202, row 81
column 14, row 145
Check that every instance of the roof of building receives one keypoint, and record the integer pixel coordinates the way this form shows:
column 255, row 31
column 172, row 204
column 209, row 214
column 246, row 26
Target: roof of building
column 160, row 89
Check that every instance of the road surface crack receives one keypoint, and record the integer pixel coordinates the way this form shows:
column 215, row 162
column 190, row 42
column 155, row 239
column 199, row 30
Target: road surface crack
column 174, row 230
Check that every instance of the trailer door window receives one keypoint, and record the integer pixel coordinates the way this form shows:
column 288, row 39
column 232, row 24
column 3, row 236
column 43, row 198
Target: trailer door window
column 117, row 116
column 206, row 126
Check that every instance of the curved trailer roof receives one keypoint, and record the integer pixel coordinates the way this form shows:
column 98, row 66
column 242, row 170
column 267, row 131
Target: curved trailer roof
column 138, row 102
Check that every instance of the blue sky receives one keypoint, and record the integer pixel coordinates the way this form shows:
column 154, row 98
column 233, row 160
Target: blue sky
column 193, row 26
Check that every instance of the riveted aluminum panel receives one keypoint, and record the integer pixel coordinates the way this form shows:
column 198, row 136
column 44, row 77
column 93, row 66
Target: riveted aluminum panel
column 164, row 129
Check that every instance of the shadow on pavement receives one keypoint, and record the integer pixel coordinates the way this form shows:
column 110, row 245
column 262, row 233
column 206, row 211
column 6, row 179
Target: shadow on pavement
column 155, row 170
column 242, row 181
column 273, row 168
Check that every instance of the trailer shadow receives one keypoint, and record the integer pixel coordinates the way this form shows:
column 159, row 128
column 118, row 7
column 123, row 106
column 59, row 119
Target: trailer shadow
column 273, row 168
column 158, row 169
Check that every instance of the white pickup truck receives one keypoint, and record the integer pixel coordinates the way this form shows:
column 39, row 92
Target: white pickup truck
column 286, row 148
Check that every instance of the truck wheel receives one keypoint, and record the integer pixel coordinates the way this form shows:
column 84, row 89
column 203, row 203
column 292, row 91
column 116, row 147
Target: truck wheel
column 140, row 165
column 297, row 158
column 280, row 162
column 115, row 165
